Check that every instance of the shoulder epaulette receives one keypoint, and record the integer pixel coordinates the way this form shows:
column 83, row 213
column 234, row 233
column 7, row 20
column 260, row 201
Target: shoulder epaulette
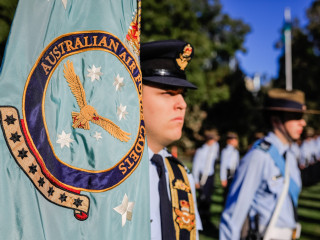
column 264, row 145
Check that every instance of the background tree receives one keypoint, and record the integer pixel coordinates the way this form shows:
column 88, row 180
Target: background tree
column 7, row 9
column 216, row 38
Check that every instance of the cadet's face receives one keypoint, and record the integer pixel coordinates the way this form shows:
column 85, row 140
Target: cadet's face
column 294, row 125
column 164, row 111
column 234, row 142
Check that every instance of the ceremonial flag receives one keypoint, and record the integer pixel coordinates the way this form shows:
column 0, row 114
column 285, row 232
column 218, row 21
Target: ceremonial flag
column 72, row 132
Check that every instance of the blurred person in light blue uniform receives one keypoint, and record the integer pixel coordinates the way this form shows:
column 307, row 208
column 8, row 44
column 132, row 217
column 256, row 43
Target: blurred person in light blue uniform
column 203, row 171
column 259, row 180
column 308, row 149
column 317, row 140
column 295, row 148
column 229, row 159
column 309, row 164
column 173, row 208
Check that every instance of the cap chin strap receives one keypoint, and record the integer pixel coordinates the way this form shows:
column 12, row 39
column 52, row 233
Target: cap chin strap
column 284, row 132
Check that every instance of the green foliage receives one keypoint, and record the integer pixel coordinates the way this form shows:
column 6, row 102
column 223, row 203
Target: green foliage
column 7, row 9
column 214, row 35
column 313, row 14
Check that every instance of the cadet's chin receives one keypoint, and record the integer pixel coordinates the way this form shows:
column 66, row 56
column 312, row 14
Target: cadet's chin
column 295, row 136
column 176, row 135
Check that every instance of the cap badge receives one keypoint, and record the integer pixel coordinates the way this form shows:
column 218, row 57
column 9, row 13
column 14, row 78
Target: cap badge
column 184, row 57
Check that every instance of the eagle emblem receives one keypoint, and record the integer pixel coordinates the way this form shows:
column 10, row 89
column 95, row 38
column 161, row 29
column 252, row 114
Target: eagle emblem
column 88, row 113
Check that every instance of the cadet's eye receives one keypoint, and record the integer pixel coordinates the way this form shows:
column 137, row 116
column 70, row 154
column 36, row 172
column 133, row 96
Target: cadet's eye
column 170, row 93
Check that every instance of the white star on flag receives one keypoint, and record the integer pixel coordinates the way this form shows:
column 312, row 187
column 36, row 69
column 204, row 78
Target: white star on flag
column 125, row 209
column 94, row 73
column 64, row 3
column 118, row 82
column 97, row 136
column 64, row 139
column 121, row 112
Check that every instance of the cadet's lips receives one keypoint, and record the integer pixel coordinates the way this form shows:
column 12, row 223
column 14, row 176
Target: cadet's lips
column 178, row 119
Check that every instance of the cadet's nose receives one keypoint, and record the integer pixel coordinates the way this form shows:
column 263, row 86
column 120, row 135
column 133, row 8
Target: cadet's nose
column 180, row 102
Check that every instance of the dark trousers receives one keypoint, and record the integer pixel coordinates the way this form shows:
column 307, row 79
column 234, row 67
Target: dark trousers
column 226, row 190
column 310, row 175
column 204, row 200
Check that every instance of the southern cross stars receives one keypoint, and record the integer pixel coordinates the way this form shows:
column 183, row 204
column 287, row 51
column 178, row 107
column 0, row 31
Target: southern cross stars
column 118, row 82
column 41, row 182
column 15, row 137
column 78, row 202
column 121, row 112
column 63, row 197
column 10, row 119
column 50, row 191
column 33, row 169
column 125, row 209
column 64, row 139
column 94, row 73
column 97, row 136
column 22, row 153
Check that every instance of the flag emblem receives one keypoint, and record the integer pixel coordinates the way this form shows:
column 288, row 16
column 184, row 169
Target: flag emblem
column 43, row 153
column 65, row 49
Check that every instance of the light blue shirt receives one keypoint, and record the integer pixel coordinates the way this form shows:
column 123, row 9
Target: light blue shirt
column 295, row 148
column 229, row 160
column 256, row 186
column 317, row 143
column 155, row 218
column 308, row 150
column 200, row 160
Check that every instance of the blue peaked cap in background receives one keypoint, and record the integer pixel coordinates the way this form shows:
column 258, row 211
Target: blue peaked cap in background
column 72, row 131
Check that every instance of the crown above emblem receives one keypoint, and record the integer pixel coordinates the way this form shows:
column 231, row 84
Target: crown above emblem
column 185, row 57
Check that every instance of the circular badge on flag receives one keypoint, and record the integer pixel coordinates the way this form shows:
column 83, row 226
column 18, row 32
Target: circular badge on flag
column 82, row 109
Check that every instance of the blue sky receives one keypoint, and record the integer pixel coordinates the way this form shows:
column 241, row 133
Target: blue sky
column 266, row 18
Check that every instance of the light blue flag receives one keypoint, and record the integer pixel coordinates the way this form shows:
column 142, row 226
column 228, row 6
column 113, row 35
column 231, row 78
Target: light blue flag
column 72, row 132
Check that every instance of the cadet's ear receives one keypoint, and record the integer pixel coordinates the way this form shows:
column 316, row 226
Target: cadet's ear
column 275, row 121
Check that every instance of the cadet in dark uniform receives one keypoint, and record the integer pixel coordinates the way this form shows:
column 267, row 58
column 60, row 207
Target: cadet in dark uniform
column 173, row 208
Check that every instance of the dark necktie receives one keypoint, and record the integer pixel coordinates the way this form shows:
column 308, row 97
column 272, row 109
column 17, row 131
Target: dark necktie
column 167, row 226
